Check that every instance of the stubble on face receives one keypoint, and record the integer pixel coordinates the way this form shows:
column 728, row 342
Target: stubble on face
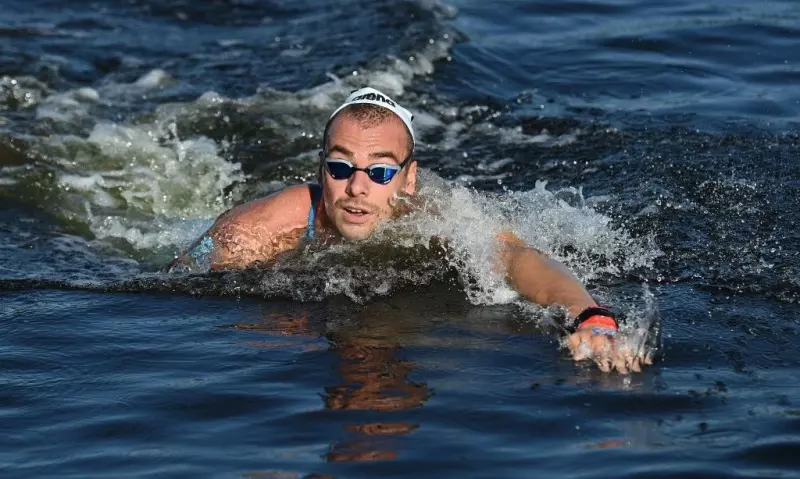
column 357, row 205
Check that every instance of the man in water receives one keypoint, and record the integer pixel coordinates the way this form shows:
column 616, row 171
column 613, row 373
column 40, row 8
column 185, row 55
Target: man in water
column 366, row 165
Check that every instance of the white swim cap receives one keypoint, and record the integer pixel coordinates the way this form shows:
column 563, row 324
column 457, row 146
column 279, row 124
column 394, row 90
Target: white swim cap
column 374, row 97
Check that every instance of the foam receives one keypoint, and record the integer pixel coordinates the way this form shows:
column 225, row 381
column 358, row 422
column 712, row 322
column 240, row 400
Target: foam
column 8, row 174
column 152, row 235
column 552, row 221
column 22, row 92
column 69, row 105
column 310, row 108
column 148, row 184
column 467, row 222
column 555, row 222
column 153, row 79
column 138, row 183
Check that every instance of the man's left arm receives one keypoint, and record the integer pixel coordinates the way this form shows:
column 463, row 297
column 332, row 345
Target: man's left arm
column 546, row 282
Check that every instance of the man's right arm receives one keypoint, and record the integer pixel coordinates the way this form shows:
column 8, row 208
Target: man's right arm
column 254, row 231
column 228, row 243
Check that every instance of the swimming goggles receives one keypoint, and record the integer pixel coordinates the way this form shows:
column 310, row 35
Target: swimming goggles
column 380, row 173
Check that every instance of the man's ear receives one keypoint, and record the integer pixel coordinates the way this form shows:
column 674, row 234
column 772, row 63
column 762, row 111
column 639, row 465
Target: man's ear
column 411, row 179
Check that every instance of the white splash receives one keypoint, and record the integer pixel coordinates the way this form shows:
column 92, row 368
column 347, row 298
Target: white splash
column 467, row 222
column 139, row 183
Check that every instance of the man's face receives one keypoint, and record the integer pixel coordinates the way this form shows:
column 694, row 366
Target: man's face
column 357, row 204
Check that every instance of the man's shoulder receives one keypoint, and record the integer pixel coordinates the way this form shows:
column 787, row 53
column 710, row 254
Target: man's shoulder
column 285, row 209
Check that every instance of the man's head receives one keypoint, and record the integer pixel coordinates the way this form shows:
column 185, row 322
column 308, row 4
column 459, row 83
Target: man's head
column 369, row 132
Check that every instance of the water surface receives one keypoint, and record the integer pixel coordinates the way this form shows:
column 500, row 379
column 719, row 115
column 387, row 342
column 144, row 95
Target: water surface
column 650, row 146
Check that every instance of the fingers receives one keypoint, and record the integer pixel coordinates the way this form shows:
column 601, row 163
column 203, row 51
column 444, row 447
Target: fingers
column 607, row 353
column 621, row 364
column 602, row 346
column 579, row 346
column 635, row 366
column 574, row 342
column 630, row 361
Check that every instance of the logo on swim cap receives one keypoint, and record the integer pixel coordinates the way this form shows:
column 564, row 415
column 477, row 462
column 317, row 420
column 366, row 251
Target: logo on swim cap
column 374, row 97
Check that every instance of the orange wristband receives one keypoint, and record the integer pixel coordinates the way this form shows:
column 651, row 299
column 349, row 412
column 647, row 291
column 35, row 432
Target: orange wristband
column 599, row 320
column 597, row 316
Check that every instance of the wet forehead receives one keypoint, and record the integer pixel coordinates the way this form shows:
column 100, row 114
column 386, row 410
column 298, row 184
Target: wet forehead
column 387, row 140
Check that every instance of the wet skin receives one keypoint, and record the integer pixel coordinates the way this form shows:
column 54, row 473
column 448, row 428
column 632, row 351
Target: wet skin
column 352, row 209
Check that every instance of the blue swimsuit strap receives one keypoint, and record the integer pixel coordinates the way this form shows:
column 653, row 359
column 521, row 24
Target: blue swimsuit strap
column 316, row 194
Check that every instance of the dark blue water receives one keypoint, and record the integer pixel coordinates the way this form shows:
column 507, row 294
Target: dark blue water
column 650, row 146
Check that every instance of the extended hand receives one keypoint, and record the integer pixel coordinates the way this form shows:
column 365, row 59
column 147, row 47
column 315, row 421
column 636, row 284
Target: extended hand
column 609, row 352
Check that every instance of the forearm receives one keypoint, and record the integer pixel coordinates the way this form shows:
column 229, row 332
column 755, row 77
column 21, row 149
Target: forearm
column 591, row 329
column 545, row 281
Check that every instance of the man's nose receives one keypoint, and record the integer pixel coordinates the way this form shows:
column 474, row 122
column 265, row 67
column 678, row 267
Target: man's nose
column 358, row 184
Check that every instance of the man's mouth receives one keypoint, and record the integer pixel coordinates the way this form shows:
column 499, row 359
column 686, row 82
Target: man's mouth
column 356, row 211
column 355, row 214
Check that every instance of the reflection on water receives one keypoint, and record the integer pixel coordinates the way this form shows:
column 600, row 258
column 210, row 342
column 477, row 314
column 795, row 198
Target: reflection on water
column 348, row 390
column 675, row 121
column 373, row 376
column 497, row 376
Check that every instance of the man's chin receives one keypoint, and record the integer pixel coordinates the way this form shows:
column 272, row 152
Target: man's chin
column 355, row 232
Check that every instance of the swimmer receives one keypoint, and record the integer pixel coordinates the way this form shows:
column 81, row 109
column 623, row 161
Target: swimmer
column 366, row 164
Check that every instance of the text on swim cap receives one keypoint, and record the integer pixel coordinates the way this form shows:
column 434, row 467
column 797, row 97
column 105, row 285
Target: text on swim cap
column 374, row 97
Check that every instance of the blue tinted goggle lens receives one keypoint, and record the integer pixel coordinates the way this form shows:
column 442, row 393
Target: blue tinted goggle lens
column 381, row 174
